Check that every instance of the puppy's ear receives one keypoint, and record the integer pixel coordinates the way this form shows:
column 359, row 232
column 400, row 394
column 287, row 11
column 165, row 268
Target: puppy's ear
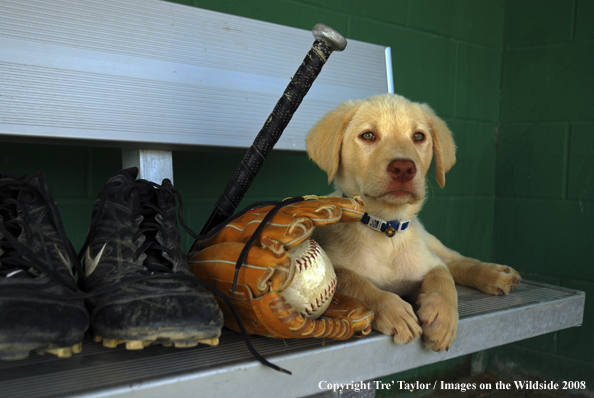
column 325, row 139
column 444, row 148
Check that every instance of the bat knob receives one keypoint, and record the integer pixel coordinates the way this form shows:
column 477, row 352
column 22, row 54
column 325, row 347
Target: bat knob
column 329, row 36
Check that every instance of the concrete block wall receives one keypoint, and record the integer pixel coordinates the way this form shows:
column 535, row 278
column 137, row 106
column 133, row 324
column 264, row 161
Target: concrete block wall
column 544, row 209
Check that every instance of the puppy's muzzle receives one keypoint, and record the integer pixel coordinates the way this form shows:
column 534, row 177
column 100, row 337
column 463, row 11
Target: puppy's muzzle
column 402, row 170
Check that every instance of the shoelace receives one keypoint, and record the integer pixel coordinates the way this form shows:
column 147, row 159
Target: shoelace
column 17, row 257
column 168, row 274
column 13, row 264
column 149, row 227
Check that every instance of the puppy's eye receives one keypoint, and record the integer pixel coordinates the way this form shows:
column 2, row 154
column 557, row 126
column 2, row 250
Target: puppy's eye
column 368, row 136
column 419, row 137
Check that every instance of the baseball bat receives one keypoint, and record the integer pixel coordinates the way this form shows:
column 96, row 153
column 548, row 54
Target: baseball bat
column 326, row 41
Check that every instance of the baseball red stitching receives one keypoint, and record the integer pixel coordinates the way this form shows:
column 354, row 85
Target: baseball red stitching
column 327, row 295
column 310, row 256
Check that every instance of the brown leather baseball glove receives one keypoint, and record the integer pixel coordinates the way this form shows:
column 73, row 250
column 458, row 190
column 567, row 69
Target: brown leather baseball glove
column 276, row 276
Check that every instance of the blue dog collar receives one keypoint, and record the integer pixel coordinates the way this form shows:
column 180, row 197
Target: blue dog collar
column 387, row 227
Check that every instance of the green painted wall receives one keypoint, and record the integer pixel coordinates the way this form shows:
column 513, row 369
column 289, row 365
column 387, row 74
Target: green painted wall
column 514, row 81
column 544, row 209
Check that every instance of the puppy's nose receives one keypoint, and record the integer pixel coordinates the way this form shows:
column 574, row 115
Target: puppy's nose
column 402, row 169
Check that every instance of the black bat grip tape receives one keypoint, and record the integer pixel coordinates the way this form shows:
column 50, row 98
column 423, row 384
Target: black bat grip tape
column 272, row 130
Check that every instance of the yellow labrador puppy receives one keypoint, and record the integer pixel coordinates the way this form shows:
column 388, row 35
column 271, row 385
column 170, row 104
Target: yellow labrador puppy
column 380, row 149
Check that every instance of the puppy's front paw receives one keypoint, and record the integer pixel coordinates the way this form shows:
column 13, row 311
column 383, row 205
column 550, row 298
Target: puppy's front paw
column 439, row 319
column 394, row 316
column 497, row 279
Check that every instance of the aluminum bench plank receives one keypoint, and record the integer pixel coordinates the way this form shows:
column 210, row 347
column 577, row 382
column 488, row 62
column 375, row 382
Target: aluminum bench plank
column 163, row 75
column 229, row 369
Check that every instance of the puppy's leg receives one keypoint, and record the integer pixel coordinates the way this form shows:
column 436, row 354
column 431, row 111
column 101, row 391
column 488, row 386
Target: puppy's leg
column 438, row 309
column 487, row 277
column 393, row 316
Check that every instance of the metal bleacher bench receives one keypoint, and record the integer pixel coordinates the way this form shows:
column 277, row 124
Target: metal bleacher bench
column 151, row 76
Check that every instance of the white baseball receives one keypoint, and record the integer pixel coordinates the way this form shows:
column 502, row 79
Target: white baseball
column 314, row 283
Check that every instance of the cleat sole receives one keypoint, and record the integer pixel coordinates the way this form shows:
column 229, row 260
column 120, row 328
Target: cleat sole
column 165, row 342
column 11, row 353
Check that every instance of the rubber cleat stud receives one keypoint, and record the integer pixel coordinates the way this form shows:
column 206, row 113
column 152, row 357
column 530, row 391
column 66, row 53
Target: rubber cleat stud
column 135, row 345
column 213, row 341
column 77, row 348
column 111, row 343
column 61, row 352
column 185, row 343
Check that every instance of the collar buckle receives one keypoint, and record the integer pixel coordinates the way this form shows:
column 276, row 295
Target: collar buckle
column 387, row 227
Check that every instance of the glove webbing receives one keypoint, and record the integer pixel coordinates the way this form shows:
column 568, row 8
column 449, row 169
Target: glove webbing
column 257, row 233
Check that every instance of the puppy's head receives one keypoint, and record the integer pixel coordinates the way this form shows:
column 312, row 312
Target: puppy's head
column 381, row 148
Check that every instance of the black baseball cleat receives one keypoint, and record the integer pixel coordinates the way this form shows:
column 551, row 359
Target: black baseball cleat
column 41, row 307
column 142, row 290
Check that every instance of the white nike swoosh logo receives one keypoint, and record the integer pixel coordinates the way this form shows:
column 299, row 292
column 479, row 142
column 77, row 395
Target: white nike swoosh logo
column 64, row 259
column 91, row 263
